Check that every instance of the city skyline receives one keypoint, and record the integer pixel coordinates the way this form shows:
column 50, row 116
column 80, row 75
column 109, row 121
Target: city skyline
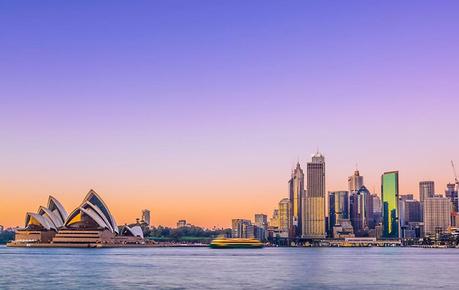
column 141, row 212
column 200, row 111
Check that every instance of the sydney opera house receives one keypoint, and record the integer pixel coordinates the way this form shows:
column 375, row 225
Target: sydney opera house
column 89, row 225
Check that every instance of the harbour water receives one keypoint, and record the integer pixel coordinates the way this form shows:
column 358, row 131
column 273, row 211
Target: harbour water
column 203, row 268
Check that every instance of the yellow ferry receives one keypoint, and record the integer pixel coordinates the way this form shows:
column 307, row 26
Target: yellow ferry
column 232, row 243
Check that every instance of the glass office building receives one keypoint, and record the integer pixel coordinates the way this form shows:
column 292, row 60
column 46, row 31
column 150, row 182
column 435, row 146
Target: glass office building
column 338, row 208
column 389, row 194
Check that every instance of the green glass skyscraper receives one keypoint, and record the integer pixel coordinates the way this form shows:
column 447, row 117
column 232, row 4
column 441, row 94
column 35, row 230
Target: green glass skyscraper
column 389, row 194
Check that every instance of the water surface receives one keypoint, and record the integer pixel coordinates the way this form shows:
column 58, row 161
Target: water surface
column 203, row 268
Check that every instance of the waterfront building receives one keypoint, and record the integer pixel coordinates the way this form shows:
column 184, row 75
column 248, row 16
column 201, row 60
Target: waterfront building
column 361, row 211
column 90, row 224
column 437, row 212
column 285, row 218
column 338, row 208
column 343, row 229
column 355, row 182
column 390, row 195
column 146, row 217
column 181, row 224
column 313, row 209
column 410, row 213
column 296, row 193
column 242, row 228
column 426, row 190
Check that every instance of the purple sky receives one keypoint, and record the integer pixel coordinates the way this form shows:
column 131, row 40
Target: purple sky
column 199, row 109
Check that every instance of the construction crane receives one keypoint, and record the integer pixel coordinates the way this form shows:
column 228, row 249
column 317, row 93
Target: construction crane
column 456, row 181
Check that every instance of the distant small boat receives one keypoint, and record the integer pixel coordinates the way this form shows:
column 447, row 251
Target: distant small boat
column 233, row 243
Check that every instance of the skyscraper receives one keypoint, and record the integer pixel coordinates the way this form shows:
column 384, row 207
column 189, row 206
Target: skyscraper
column 296, row 190
column 437, row 212
column 426, row 190
column 313, row 209
column 285, row 217
column 389, row 194
column 355, row 181
column 361, row 211
column 146, row 216
column 338, row 205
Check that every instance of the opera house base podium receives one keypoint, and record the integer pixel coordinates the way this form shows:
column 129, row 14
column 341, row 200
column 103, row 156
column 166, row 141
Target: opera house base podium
column 83, row 237
column 33, row 236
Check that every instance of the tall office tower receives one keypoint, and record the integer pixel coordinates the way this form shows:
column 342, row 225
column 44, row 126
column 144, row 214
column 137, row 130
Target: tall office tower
column 274, row 220
column 285, row 217
column 313, row 209
column 426, row 190
column 361, row 211
column 242, row 228
column 377, row 209
column 296, row 190
column 389, row 194
column 452, row 194
column 355, row 181
column 437, row 212
column 338, row 206
column 146, row 216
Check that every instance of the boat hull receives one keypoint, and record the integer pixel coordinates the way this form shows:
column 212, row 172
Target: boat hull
column 235, row 246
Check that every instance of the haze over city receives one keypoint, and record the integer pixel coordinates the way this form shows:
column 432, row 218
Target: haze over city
column 201, row 110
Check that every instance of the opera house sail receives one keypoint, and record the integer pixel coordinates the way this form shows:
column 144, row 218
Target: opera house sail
column 89, row 225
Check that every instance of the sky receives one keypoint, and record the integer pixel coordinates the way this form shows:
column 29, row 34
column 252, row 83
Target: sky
column 199, row 110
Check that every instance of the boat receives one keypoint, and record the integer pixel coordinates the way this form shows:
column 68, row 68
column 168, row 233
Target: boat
column 233, row 243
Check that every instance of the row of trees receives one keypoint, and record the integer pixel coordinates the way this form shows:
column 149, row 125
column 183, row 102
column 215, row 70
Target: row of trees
column 184, row 233
column 6, row 236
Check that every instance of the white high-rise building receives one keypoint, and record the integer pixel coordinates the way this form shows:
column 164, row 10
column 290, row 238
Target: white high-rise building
column 437, row 213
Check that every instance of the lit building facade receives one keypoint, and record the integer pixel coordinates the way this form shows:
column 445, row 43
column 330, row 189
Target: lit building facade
column 313, row 209
column 390, row 195
column 296, row 192
column 437, row 212
column 242, row 228
column 285, row 218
